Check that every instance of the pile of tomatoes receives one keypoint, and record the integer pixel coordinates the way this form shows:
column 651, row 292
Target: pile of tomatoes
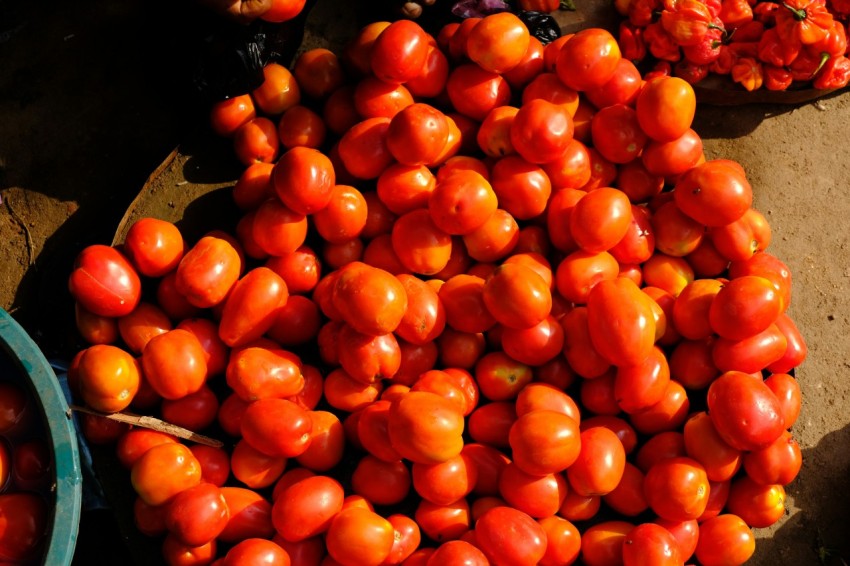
column 25, row 473
column 757, row 44
column 487, row 302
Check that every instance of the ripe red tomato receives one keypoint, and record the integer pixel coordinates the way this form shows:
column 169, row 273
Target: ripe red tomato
column 537, row 495
column 620, row 322
column 371, row 300
column 227, row 115
column 164, row 471
column 745, row 412
column 541, row 131
column 600, row 465
column 108, row 378
column 359, row 537
column 600, row 219
column 677, row 489
column 279, row 91
column 304, row 179
column 256, row 551
column 588, row 60
column 104, row 282
column 23, row 524
column 665, row 108
column 154, row 246
column 703, row 444
column 715, row 193
column 281, row 11
column 252, row 307
column 307, row 507
column 425, row 427
column 725, row 539
column 318, row 72
column 498, row 42
column 462, row 202
column 649, row 543
column 602, row 544
column 250, row 515
column 197, row 515
column 778, row 463
column 400, row 52
column 508, row 536
column 517, row 296
column 445, row 482
column 417, row 134
column 544, row 442
column 616, row 133
column 277, row 427
column 208, row 271
column 256, row 141
column 135, row 442
column 174, row 364
column 474, row 91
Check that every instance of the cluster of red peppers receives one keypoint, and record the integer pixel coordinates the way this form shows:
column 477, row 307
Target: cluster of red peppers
column 759, row 44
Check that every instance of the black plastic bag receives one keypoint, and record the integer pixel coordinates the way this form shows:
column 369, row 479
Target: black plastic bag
column 541, row 25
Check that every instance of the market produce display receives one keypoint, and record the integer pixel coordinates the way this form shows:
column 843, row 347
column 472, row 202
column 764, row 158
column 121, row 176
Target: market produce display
column 756, row 45
column 487, row 302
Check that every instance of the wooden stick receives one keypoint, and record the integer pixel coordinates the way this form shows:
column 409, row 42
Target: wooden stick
column 153, row 424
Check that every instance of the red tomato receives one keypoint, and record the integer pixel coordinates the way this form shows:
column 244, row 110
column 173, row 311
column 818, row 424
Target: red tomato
column 665, row 108
column 579, row 350
column 588, row 60
column 403, row 188
column 164, row 471
column 135, row 442
column 622, row 88
column 677, row 489
column 715, row 193
column 500, row 378
column 600, row 465
column 174, row 364
column 725, row 539
column 778, row 463
column 256, row 141
column 215, row 463
column 359, row 537
column 425, row 427
column 208, row 271
column 371, row 300
column 600, row 219
column 145, row 322
column 649, row 543
column 197, row 515
column 304, row 180
column 108, row 378
column 417, row 134
column 277, row 427
column 672, row 158
column 541, row 131
column 256, row 551
column 445, row 482
column 668, row 414
column 279, row 91
column 250, row 515
column 154, row 246
column 508, row 536
column 602, row 544
column 431, row 80
column 381, row 482
column 318, row 72
column 259, row 373
column 23, row 525
column 301, row 127
column 544, row 442
column 537, row 495
column 616, row 133
column 563, row 541
column 281, row 11
column 620, row 321
column 787, row 391
column 642, row 385
column 227, row 115
column 307, row 507
column 498, row 43
column 419, row 244
column 745, row 412
column 252, row 306
column 474, row 92
column 523, row 189
column 462, row 202
column 517, row 296
column 703, row 444
column 759, row 505
column 104, row 282
column 399, row 52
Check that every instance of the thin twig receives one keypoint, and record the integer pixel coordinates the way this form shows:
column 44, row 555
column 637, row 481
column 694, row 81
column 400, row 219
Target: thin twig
column 24, row 227
column 153, row 424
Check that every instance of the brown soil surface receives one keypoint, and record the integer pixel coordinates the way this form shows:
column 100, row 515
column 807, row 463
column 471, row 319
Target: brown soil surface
column 94, row 97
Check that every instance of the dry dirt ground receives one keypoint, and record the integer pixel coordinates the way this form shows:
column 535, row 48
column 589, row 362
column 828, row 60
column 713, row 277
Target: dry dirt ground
column 95, row 95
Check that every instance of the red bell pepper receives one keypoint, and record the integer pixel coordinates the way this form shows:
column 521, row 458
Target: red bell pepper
column 735, row 13
column 660, row 43
column 835, row 42
column 803, row 21
column 706, row 51
column 773, row 51
column 834, row 74
column 750, row 31
column 806, row 65
column 661, row 69
column 643, row 12
column 545, row 6
column 690, row 72
column 748, row 73
column 714, row 7
column 632, row 45
column 687, row 21
column 724, row 62
column 765, row 12
column 776, row 78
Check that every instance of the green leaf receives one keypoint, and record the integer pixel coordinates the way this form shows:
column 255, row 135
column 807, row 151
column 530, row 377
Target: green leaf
column 569, row 5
